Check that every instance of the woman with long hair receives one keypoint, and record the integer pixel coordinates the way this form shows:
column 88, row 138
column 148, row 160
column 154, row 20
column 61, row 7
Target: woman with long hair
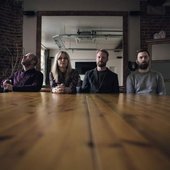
column 63, row 79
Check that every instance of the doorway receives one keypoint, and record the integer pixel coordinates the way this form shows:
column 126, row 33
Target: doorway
column 105, row 28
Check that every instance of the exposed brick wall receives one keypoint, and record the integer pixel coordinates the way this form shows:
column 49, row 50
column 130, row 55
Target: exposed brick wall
column 153, row 23
column 11, row 21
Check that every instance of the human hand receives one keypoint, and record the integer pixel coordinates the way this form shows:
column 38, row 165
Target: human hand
column 59, row 89
column 7, row 85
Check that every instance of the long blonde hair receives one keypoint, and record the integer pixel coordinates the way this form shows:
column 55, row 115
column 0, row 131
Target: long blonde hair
column 55, row 68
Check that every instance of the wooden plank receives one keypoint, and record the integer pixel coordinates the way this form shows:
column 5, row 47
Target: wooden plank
column 147, row 118
column 84, row 131
column 64, row 144
column 131, row 140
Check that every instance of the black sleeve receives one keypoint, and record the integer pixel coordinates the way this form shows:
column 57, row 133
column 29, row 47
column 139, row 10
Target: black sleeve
column 34, row 87
column 116, row 84
column 86, row 85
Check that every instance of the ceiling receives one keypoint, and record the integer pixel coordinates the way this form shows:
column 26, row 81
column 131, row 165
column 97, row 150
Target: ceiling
column 82, row 32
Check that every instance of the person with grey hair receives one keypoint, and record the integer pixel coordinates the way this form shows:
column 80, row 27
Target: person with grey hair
column 63, row 79
column 26, row 80
column 100, row 79
column 145, row 80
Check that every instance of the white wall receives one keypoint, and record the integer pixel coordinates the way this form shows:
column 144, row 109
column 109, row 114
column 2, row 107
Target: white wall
column 29, row 26
column 161, row 51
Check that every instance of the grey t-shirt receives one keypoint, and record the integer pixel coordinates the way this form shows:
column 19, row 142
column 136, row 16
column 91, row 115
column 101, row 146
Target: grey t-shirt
column 151, row 82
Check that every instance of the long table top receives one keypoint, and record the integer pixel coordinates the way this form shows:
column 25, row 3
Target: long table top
column 45, row 131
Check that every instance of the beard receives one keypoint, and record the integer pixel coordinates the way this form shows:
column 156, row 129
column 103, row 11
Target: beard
column 26, row 63
column 101, row 64
column 143, row 66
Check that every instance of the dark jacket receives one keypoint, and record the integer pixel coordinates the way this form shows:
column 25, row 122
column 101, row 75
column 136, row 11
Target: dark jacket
column 108, row 84
column 29, row 81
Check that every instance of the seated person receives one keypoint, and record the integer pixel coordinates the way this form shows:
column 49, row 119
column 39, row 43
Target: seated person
column 63, row 79
column 100, row 79
column 26, row 80
column 144, row 80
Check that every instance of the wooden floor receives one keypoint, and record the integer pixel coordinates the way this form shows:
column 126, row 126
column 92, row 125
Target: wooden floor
column 45, row 131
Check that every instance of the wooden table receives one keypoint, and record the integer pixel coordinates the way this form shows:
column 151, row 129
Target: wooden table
column 44, row 131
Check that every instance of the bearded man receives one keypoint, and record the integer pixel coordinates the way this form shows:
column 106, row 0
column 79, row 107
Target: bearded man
column 28, row 79
column 144, row 80
column 100, row 79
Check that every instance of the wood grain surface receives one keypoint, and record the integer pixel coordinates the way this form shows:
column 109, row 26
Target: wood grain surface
column 45, row 131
